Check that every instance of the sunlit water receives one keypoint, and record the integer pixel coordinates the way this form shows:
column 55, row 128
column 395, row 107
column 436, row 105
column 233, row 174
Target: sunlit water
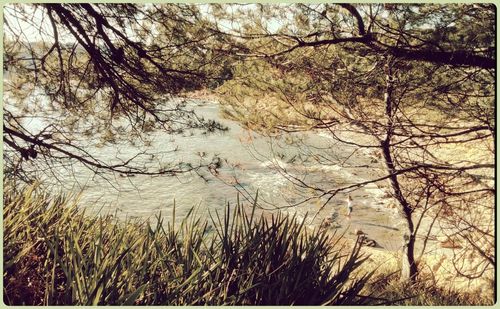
column 251, row 163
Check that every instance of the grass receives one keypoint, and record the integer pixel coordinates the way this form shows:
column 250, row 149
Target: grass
column 55, row 254
column 390, row 288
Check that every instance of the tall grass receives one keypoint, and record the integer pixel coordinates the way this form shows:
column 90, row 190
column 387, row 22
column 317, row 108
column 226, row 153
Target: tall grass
column 55, row 254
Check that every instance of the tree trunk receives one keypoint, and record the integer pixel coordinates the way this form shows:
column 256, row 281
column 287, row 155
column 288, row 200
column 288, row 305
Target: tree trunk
column 409, row 269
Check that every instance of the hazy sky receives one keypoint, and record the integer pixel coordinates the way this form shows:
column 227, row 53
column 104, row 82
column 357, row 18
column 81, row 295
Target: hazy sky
column 34, row 26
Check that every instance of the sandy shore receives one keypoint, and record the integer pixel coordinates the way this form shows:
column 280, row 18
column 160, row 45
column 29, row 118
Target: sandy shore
column 375, row 214
column 434, row 251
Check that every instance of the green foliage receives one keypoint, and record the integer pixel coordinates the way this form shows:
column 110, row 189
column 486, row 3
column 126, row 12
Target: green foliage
column 54, row 254
column 264, row 96
column 455, row 26
column 333, row 77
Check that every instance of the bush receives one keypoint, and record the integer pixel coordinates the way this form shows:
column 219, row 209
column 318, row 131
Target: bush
column 54, row 254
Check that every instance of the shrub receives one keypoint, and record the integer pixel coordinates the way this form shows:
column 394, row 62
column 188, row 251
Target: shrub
column 55, row 254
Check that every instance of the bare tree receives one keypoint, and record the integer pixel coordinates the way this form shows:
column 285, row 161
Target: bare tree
column 403, row 81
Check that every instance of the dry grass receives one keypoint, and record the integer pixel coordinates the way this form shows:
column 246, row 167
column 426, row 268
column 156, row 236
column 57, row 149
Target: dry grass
column 437, row 283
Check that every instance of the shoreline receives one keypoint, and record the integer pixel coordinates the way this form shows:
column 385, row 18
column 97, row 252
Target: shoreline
column 437, row 261
column 373, row 196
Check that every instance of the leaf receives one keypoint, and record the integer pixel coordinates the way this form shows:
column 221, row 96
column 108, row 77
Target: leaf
column 132, row 297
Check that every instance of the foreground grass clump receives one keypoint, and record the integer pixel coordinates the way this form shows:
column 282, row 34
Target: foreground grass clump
column 54, row 254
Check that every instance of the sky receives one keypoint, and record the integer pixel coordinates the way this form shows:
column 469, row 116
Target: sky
column 35, row 26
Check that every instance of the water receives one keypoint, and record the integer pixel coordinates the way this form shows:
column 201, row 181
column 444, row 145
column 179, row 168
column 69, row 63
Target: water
column 251, row 163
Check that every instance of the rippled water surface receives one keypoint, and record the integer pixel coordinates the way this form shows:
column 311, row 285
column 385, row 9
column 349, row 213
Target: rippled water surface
column 249, row 164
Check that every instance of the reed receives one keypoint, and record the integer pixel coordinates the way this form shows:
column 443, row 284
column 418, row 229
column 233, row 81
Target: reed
column 55, row 254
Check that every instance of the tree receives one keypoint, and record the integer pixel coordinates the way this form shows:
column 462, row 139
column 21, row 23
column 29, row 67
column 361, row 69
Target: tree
column 104, row 71
column 412, row 82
